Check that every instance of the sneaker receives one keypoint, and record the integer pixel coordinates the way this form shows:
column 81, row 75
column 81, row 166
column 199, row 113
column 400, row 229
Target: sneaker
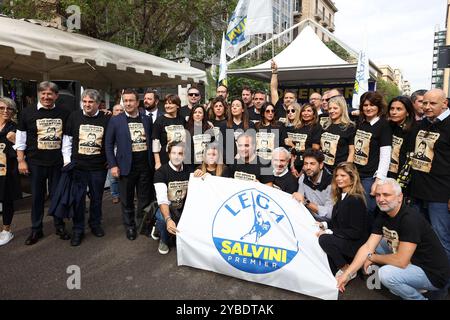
column 340, row 272
column 155, row 233
column 163, row 248
column 5, row 237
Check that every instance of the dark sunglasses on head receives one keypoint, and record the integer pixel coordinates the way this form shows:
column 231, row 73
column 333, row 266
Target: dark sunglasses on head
column 290, row 111
column 194, row 94
column 328, row 99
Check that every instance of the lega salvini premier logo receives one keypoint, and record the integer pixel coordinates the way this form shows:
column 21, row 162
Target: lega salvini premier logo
column 253, row 233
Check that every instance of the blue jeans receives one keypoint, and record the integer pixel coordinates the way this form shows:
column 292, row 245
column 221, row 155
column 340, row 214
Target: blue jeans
column 405, row 283
column 162, row 227
column 371, row 203
column 113, row 185
column 440, row 220
column 95, row 180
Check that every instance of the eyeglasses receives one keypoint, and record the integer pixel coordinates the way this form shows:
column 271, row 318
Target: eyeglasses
column 290, row 111
column 9, row 109
column 328, row 99
column 270, row 111
column 194, row 94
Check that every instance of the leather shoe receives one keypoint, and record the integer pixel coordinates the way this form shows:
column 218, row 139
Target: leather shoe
column 76, row 239
column 62, row 233
column 98, row 231
column 131, row 234
column 34, row 237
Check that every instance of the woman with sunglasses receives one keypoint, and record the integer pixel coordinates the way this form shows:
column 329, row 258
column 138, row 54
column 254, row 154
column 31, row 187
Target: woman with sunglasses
column 403, row 124
column 373, row 140
column 9, row 182
column 270, row 134
column 166, row 129
column 212, row 162
column 236, row 124
column 201, row 133
column 338, row 134
column 304, row 135
column 348, row 229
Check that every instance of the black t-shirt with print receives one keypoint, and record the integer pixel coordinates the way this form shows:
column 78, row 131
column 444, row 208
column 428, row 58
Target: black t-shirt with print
column 199, row 139
column 88, row 140
column 402, row 143
column 44, row 128
column 253, row 116
column 335, row 142
column 268, row 138
column 138, row 144
column 185, row 112
column 431, row 179
column 323, row 118
column 303, row 139
column 410, row 226
column 287, row 183
column 176, row 182
column 167, row 130
column 258, row 170
column 233, row 133
column 368, row 141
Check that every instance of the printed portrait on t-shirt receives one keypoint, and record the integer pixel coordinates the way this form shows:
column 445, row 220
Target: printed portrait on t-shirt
column 138, row 138
column 362, row 147
column 392, row 239
column 200, row 143
column 90, row 139
column 176, row 193
column 395, row 155
column 265, row 143
column 2, row 160
column 299, row 140
column 329, row 143
column 175, row 133
column 323, row 120
column 49, row 134
column 424, row 151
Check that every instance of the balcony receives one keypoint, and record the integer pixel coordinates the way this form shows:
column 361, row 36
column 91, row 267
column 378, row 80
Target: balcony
column 318, row 15
column 325, row 22
column 331, row 27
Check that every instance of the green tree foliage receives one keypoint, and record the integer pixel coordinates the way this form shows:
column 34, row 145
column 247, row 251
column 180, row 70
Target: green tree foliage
column 339, row 51
column 152, row 26
column 388, row 89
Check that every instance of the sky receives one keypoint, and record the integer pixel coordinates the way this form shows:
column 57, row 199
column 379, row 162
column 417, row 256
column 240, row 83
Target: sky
column 400, row 33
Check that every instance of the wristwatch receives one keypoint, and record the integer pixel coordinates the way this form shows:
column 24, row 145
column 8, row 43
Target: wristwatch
column 369, row 256
column 307, row 202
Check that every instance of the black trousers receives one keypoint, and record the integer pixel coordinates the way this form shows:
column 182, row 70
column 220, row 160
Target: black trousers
column 339, row 251
column 39, row 177
column 7, row 211
column 142, row 182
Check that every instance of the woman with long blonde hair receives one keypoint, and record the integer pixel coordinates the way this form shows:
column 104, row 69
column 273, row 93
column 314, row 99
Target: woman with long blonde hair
column 212, row 162
column 337, row 139
column 348, row 228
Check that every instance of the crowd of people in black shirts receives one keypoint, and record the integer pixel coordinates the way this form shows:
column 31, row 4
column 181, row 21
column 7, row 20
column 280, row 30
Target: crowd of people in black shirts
column 376, row 180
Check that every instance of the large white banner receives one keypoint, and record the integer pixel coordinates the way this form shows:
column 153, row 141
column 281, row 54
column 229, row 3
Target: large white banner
column 253, row 232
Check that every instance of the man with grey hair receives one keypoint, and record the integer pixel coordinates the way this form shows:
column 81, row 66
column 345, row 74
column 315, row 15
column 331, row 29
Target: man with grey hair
column 41, row 157
column 283, row 177
column 404, row 243
column 90, row 161
column 430, row 183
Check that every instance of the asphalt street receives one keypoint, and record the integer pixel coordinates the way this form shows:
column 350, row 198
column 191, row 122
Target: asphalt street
column 113, row 267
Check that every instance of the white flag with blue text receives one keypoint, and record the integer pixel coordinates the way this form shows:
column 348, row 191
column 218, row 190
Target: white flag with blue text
column 250, row 17
column 254, row 232
column 223, row 68
column 362, row 78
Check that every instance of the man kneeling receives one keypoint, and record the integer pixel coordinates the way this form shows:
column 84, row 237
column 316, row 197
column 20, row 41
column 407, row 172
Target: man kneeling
column 171, row 182
column 414, row 259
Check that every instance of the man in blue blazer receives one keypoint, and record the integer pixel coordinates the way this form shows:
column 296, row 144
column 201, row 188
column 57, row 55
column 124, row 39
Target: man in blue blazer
column 133, row 161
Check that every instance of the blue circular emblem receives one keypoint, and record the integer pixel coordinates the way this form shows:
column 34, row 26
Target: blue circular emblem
column 253, row 233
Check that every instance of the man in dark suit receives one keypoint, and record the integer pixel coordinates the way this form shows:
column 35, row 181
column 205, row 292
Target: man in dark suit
column 134, row 169
column 151, row 100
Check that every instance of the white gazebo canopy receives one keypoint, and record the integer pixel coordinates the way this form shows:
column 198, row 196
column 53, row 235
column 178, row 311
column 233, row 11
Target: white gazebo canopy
column 307, row 60
column 33, row 52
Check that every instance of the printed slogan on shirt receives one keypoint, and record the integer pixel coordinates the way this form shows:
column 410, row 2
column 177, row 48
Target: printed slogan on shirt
column 200, row 142
column 265, row 143
column 49, row 134
column 329, row 143
column 299, row 140
column 138, row 139
column 175, row 133
column 424, row 151
column 90, row 139
column 362, row 147
column 177, row 191
column 395, row 157
column 391, row 237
